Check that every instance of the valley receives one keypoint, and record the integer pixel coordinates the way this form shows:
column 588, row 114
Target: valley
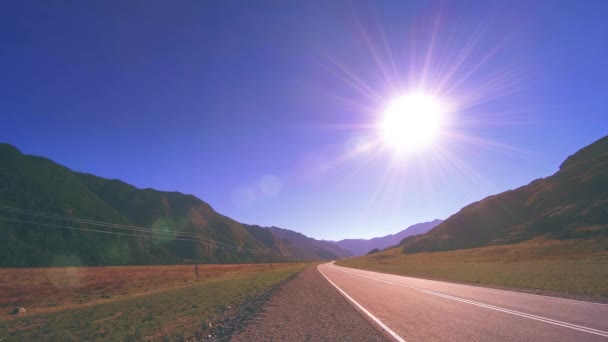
column 570, row 269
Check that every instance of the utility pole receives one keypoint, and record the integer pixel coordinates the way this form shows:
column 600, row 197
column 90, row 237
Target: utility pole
column 195, row 260
column 145, row 252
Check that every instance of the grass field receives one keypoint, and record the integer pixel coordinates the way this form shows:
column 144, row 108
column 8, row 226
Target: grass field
column 575, row 267
column 126, row 303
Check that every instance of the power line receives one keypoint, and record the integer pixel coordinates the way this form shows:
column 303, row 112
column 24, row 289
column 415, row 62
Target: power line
column 97, row 223
column 85, row 229
column 113, row 225
column 121, row 233
column 122, row 226
column 185, row 236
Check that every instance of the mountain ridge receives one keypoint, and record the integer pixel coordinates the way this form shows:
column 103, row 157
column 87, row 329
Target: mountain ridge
column 360, row 247
column 570, row 204
column 39, row 184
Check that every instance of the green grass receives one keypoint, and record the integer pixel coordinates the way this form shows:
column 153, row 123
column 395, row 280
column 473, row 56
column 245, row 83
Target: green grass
column 572, row 268
column 170, row 314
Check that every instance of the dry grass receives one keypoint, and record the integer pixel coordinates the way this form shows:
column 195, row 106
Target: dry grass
column 571, row 267
column 145, row 303
column 44, row 290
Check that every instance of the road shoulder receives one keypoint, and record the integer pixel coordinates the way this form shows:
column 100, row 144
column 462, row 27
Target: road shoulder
column 308, row 308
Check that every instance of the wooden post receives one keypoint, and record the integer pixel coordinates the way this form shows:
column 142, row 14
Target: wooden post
column 195, row 260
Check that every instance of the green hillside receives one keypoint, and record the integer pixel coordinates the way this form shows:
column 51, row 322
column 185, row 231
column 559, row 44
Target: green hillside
column 548, row 237
column 571, row 204
column 41, row 185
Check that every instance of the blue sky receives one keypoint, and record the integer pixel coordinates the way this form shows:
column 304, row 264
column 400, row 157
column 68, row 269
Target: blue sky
column 259, row 108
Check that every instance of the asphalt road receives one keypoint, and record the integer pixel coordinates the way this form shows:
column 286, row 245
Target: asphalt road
column 308, row 308
column 413, row 309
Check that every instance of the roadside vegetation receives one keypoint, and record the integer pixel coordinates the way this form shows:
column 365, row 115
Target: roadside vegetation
column 127, row 303
column 576, row 268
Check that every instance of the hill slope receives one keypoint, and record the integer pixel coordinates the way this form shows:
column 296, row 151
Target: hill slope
column 571, row 204
column 39, row 184
column 300, row 244
column 360, row 247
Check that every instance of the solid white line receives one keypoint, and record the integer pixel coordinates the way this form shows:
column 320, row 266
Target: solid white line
column 492, row 307
column 374, row 318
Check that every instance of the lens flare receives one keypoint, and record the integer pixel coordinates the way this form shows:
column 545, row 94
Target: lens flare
column 421, row 97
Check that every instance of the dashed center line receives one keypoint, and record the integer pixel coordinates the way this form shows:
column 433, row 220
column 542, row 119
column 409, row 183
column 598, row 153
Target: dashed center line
column 487, row 306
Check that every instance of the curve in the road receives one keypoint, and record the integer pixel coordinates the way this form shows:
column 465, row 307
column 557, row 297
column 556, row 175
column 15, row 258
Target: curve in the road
column 364, row 310
column 512, row 312
column 396, row 336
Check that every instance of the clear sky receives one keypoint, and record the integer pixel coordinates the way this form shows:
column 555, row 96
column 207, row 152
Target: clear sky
column 269, row 110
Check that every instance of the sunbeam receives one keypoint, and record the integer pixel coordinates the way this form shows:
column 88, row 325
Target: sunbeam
column 417, row 125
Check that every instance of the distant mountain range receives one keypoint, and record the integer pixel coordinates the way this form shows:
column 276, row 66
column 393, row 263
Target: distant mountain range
column 309, row 248
column 113, row 223
column 571, row 204
column 48, row 196
column 360, row 247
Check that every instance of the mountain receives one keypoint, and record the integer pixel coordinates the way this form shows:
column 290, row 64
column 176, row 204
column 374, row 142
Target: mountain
column 360, row 247
column 571, row 204
column 55, row 197
column 306, row 247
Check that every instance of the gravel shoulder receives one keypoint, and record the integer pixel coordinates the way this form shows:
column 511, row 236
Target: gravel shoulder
column 308, row 308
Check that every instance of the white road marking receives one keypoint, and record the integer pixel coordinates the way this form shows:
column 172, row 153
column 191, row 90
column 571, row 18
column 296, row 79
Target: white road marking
column 503, row 290
column 374, row 318
column 488, row 306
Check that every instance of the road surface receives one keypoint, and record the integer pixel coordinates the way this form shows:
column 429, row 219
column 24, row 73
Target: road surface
column 308, row 308
column 412, row 309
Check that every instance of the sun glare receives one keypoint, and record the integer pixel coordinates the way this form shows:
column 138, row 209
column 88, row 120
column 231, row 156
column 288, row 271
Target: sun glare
column 412, row 121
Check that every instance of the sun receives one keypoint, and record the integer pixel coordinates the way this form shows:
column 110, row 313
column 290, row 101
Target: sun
column 412, row 121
